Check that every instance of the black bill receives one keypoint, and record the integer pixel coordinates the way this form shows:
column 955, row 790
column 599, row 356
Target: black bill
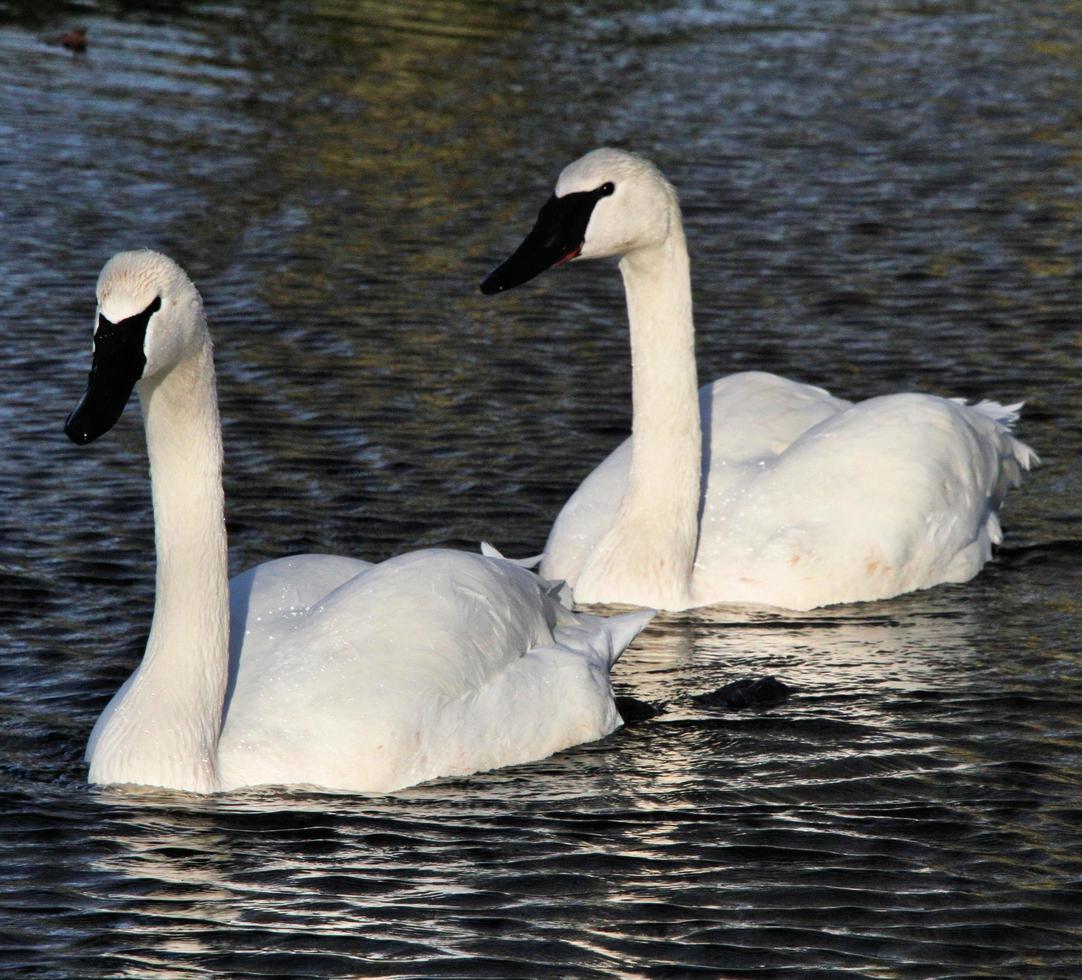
column 557, row 237
column 118, row 364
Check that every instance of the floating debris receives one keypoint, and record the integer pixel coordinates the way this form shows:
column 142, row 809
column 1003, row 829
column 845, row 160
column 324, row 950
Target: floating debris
column 632, row 710
column 74, row 40
column 750, row 692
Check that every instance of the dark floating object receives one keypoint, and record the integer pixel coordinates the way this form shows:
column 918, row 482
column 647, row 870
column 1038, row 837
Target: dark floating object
column 632, row 710
column 74, row 40
column 750, row 692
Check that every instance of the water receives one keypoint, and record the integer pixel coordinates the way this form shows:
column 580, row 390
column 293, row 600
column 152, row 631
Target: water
column 879, row 196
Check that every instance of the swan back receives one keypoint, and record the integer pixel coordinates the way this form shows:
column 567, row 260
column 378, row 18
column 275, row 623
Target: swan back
column 894, row 494
column 433, row 663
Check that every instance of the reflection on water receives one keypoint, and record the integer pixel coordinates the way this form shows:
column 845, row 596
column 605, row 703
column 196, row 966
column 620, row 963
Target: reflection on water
column 878, row 197
column 874, row 794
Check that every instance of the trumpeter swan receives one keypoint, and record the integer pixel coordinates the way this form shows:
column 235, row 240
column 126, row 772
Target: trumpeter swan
column 792, row 497
column 338, row 674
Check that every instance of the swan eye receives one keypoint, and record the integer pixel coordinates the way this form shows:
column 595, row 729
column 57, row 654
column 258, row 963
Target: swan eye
column 607, row 188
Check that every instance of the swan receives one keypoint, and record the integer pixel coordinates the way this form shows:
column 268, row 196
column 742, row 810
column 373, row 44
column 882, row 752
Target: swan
column 789, row 496
column 313, row 670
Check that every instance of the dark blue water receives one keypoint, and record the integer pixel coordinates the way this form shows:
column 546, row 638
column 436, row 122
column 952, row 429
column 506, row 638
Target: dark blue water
column 879, row 196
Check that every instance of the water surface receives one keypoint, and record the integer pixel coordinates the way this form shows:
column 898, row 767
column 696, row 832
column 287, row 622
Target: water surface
column 879, row 196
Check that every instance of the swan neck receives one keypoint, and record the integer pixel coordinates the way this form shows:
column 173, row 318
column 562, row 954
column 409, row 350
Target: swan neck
column 165, row 732
column 664, row 481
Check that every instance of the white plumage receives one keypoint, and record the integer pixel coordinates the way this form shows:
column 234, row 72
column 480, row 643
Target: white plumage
column 810, row 500
column 759, row 489
column 314, row 669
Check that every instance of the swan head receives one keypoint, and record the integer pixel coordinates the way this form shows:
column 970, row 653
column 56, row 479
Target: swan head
column 149, row 315
column 607, row 203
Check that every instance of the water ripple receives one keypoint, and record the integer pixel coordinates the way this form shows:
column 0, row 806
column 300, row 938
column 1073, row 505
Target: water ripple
column 882, row 197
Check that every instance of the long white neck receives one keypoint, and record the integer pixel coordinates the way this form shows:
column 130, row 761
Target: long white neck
column 654, row 536
column 162, row 727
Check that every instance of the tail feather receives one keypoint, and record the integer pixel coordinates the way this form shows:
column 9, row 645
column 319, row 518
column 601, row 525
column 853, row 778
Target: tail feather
column 1017, row 455
column 624, row 628
column 558, row 589
column 1005, row 415
column 604, row 636
column 490, row 551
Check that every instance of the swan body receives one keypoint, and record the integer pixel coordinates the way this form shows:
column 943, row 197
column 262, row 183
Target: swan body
column 929, row 517
column 753, row 489
column 314, row 670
